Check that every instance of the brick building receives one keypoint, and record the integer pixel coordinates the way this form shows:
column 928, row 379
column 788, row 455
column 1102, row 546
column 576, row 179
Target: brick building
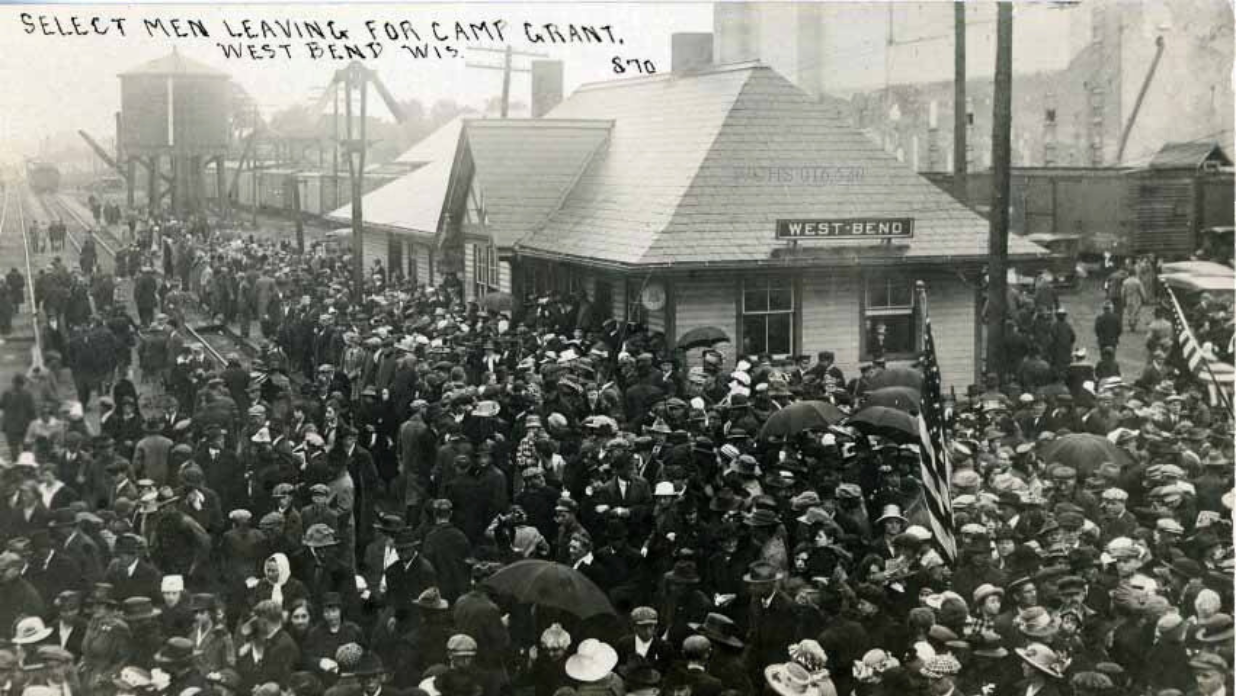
column 1078, row 69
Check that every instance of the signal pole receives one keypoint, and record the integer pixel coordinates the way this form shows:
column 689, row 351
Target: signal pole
column 960, row 112
column 1001, row 151
column 507, row 68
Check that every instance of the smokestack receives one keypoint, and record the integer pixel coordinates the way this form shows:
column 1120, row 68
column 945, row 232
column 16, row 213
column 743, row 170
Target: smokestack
column 690, row 51
column 546, row 86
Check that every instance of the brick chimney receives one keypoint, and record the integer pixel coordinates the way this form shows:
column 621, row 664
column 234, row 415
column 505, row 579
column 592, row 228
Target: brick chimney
column 546, row 86
column 690, row 51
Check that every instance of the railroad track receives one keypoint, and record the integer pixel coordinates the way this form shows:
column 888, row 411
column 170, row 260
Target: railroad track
column 14, row 215
column 53, row 202
column 219, row 335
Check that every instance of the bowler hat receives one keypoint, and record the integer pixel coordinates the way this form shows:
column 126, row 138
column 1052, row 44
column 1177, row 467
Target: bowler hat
column 139, row 608
column 175, row 650
column 761, row 572
column 684, row 572
column 718, row 628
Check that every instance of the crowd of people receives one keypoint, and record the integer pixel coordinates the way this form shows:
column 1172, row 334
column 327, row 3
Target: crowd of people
column 336, row 515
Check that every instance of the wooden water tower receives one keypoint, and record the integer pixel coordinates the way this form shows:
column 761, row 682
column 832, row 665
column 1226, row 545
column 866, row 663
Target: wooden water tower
column 174, row 121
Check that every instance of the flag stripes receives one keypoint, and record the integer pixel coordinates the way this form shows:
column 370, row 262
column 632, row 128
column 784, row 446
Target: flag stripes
column 936, row 469
column 1192, row 354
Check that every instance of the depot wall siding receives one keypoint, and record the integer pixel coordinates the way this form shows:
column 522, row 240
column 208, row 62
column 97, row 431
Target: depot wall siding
column 469, row 274
column 831, row 318
column 951, row 304
column 705, row 301
column 504, row 276
column 374, row 247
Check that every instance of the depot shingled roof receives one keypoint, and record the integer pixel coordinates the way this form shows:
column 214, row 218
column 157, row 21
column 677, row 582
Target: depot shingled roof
column 698, row 168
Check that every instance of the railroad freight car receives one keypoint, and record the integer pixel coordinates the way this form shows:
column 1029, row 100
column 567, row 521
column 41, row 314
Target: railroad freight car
column 44, row 177
column 1161, row 208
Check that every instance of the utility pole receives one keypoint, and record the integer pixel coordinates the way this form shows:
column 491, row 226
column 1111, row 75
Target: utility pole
column 960, row 112
column 295, row 203
column 357, row 77
column 335, row 168
column 507, row 68
column 1001, row 151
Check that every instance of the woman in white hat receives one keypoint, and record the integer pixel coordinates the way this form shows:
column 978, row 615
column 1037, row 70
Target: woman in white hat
column 592, row 669
column 1042, row 671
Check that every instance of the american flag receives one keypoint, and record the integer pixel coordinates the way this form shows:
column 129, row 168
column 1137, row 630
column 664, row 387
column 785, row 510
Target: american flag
column 1192, row 354
column 936, row 469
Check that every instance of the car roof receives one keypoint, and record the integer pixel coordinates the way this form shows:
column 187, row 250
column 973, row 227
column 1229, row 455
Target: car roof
column 1200, row 283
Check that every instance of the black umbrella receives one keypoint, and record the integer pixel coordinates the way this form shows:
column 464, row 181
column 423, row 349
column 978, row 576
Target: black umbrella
column 889, row 422
column 702, row 337
column 552, row 585
column 1084, row 452
column 900, row 398
column 897, row 377
column 800, row 416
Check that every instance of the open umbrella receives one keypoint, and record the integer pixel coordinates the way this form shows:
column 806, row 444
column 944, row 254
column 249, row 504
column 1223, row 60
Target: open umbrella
column 800, row 416
column 1084, row 452
column 897, row 377
column 553, row 585
column 496, row 301
column 702, row 337
column 900, row 398
column 889, row 422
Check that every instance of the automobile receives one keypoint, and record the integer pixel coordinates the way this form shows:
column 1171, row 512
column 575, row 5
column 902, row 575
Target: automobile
column 1198, row 268
column 1064, row 267
column 1061, row 266
column 1189, row 280
column 1190, row 284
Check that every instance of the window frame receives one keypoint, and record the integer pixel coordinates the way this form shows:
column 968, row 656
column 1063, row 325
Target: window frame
column 869, row 311
column 486, row 270
column 791, row 312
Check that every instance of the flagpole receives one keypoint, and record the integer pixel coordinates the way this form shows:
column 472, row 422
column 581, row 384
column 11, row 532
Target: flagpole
column 1227, row 403
column 935, row 467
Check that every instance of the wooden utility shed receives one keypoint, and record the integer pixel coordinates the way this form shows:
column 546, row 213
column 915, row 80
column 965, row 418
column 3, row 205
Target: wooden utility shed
column 1185, row 188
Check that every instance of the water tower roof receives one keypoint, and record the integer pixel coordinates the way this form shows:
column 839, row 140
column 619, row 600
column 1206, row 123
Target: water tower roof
column 174, row 64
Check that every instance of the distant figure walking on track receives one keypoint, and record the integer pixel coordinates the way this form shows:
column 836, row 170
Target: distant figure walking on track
column 1134, row 295
column 16, row 283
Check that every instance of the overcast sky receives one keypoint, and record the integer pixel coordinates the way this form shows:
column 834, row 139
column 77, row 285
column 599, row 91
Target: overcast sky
column 57, row 84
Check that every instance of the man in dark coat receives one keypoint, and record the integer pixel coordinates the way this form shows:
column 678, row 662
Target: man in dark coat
column 1062, row 339
column 626, row 496
column 478, row 493
column 447, row 548
column 417, row 451
column 476, row 615
column 51, row 570
column 412, row 574
column 128, row 574
column 318, row 565
column 770, row 619
column 365, row 481
column 1107, row 326
column 17, row 596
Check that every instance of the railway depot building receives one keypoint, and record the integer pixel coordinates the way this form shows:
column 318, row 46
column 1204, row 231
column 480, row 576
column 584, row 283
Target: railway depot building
column 722, row 196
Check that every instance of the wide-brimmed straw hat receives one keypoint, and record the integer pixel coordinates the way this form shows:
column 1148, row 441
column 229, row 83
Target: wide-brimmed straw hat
column 791, row 679
column 1044, row 659
column 592, row 661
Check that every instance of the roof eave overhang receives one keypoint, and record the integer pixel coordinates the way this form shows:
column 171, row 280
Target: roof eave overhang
column 838, row 261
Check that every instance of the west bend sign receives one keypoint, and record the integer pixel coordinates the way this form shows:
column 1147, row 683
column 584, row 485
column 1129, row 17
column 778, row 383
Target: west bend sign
column 845, row 228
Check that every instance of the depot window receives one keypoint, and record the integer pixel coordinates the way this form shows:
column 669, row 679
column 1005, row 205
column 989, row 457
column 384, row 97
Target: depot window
column 767, row 316
column 890, row 318
column 484, row 269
